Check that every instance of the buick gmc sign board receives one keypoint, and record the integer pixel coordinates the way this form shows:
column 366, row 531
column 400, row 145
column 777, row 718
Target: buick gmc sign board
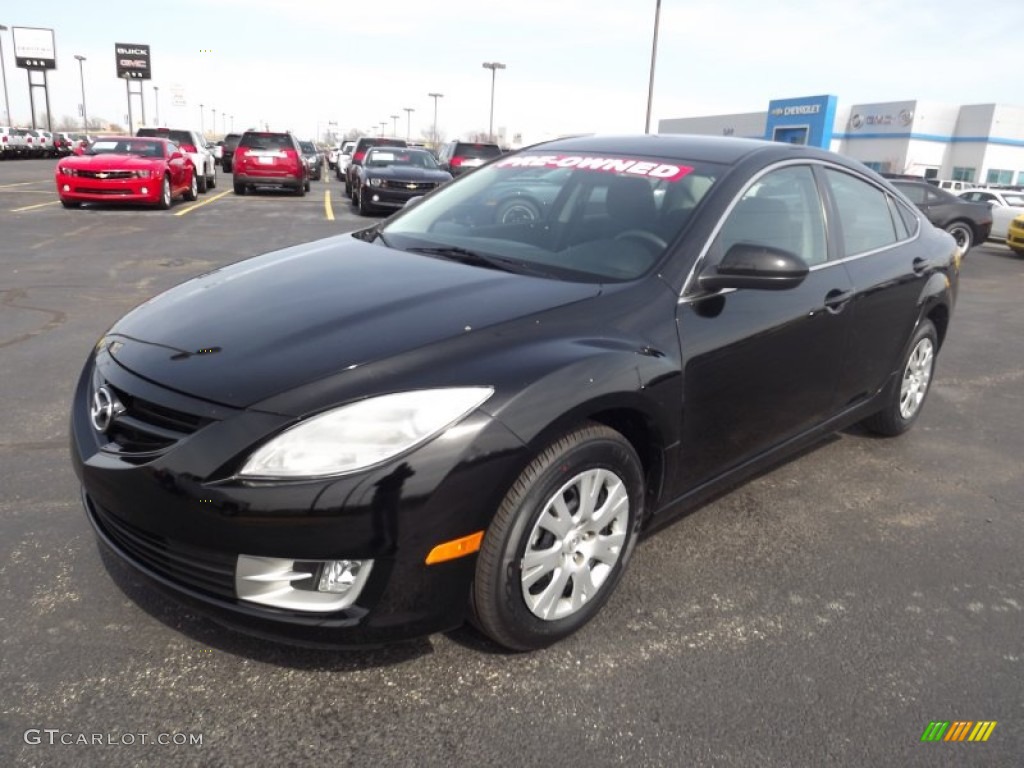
column 132, row 61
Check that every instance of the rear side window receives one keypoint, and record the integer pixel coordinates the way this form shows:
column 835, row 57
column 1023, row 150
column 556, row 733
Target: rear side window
column 864, row 214
column 307, row 147
column 266, row 141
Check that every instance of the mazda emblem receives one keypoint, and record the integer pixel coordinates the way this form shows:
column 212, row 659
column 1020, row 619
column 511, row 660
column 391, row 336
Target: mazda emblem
column 105, row 408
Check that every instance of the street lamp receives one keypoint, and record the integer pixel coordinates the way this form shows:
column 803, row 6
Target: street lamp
column 394, row 132
column 654, row 55
column 408, row 121
column 3, row 68
column 81, row 77
column 494, row 66
column 202, row 119
column 435, row 97
column 213, row 125
column 156, row 98
column 232, row 123
column 383, row 125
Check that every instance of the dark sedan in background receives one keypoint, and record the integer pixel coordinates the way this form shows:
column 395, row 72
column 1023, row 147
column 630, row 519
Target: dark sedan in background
column 452, row 415
column 968, row 223
column 314, row 160
column 390, row 176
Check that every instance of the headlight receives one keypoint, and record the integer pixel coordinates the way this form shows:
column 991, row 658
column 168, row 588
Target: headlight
column 142, row 174
column 69, row 171
column 376, row 182
column 362, row 434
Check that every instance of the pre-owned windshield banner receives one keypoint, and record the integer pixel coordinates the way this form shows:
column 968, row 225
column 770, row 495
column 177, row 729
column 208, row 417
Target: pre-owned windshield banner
column 651, row 168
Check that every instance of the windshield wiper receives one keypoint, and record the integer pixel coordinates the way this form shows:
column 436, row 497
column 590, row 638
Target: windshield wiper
column 466, row 256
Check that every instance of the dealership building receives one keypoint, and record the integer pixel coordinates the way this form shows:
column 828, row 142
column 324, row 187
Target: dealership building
column 982, row 143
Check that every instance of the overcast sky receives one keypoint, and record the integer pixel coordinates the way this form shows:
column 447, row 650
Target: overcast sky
column 572, row 65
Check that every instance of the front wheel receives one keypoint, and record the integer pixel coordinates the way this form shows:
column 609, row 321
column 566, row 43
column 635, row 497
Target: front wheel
column 165, row 195
column 961, row 232
column 905, row 398
column 560, row 541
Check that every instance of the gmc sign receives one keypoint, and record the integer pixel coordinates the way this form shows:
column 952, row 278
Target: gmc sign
column 133, row 61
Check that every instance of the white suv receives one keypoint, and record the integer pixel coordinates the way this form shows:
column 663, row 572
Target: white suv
column 194, row 145
column 12, row 143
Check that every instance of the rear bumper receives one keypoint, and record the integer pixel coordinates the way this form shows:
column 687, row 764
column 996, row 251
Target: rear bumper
column 280, row 180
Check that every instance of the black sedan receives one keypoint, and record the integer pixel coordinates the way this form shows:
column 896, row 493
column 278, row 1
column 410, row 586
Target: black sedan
column 447, row 416
column 968, row 223
column 390, row 176
column 313, row 159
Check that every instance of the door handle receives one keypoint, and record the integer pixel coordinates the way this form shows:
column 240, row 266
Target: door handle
column 919, row 265
column 835, row 300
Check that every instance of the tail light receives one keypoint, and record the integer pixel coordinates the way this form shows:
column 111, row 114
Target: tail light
column 456, row 161
column 358, row 157
column 188, row 147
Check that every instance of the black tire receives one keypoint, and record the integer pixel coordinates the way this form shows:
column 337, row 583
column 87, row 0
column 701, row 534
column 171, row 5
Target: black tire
column 962, row 233
column 193, row 189
column 516, row 210
column 239, row 188
column 211, row 182
column 225, row 166
column 348, row 187
column 896, row 417
column 70, row 203
column 499, row 598
column 305, row 185
column 165, row 194
column 364, row 209
column 300, row 190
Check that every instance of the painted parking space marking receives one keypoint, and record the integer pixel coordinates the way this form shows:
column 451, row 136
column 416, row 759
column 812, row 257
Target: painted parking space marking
column 37, row 205
column 327, row 205
column 207, row 201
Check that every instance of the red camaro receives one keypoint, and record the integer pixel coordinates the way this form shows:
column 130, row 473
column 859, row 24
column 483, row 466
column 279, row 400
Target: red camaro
column 126, row 170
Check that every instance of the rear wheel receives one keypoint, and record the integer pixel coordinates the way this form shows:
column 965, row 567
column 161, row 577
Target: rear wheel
column 201, row 183
column 906, row 397
column 560, row 541
column 239, row 188
column 962, row 233
column 193, row 189
column 305, row 185
column 301, row 190
column 211, row 182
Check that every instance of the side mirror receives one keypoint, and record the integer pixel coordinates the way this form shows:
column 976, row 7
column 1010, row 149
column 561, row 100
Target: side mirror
column 760, row 267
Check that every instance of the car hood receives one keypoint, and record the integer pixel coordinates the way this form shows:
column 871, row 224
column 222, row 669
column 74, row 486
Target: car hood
column 108, row 160
column 244, row 333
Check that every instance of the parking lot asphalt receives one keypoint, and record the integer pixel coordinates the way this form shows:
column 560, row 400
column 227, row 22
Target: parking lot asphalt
column 822, row 614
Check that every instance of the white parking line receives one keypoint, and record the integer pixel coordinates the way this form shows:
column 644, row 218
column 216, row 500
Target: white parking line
column 207, row 201
column 37, row 205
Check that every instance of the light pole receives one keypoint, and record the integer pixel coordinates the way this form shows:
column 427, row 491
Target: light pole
column 3, row 68
column 435, row 97
column 654, row 56
column 81, row 77
column 156, row 98
column 202, row 120
column 213, row 125
column 408, row 121
column 383, row 125
column 232, row 123
column 394, row 131
column 494, row 66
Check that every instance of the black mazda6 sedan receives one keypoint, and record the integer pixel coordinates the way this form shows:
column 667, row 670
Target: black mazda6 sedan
column 457, row 414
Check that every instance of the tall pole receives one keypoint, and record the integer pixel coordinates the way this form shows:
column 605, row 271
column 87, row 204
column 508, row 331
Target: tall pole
column 494, row 66
column 435, row 97
column 394, row 132
column 383, row 125
column 3, row 68
column 214, row 126
column 232, row 123
column 81, row 75
column 156, row 98
column 408, row 121
column 202, row 124
column 128, row 93
column 654, row 56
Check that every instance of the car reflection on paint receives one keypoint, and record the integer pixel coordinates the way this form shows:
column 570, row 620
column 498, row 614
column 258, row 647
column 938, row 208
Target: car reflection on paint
column 453, row 415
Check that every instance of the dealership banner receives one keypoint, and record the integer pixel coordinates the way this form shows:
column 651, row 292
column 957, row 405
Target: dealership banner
column 132, row 61
column 34, row 48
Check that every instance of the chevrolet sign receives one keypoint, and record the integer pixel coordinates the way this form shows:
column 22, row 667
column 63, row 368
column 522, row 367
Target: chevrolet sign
column 796, row 109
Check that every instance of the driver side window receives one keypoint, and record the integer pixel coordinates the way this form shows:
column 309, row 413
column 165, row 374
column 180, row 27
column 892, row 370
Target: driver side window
column 781, row 210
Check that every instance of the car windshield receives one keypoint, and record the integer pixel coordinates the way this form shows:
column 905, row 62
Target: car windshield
column 179, row 137
column 382, row 158
column 141, row 148
column 1016, row 200
column 576, row 217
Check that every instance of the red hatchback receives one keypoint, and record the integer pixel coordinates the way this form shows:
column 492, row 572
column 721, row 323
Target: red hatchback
column 263, row 158
column 126, row 170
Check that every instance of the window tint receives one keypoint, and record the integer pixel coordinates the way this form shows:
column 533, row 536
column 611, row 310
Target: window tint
column 863, row 213
column 914, row 192
column 909, row 217
column 267, row 141
column 781, row 210
column 477, row 150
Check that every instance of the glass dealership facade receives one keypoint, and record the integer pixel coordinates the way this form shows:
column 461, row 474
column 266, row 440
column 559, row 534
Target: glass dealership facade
column 981, row 143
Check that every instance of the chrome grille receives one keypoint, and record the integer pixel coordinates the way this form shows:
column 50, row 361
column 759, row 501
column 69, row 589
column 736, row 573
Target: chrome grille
column 411, row 186
column 147, row 428
column 106, row 174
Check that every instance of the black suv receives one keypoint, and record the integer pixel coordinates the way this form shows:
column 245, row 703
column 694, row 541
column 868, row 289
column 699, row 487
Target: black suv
column 359, row 152
column 230, row 143
column 459, row 157
column 968, row 223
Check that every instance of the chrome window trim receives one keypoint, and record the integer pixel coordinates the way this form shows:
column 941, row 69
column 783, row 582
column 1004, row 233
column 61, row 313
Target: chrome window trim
column 685, row 298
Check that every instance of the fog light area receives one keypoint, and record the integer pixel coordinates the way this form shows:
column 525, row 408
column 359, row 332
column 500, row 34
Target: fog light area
column 300, row 585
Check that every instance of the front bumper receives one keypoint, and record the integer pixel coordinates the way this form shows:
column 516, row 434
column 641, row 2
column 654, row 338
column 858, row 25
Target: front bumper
column 1015, row 237
column 396, row 195
column 178, row 517
column 109, row 190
